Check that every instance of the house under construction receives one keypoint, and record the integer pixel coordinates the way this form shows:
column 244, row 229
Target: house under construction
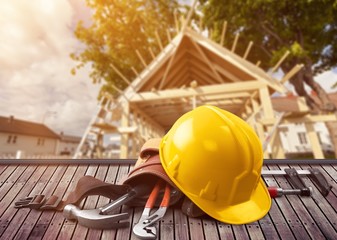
column 190, row 71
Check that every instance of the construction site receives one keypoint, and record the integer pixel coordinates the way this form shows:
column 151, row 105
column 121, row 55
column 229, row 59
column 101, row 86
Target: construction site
column 192, row 71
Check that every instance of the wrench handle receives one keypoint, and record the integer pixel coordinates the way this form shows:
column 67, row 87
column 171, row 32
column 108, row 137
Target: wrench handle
column 166, row 198
column 153, row 195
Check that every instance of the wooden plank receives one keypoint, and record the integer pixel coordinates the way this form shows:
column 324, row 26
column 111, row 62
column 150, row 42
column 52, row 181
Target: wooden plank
column 304, row 220
column 240, row 232
column 254, row 230
column 9, row 178
column 202, row 90
column 166, row 226
column 50, row 222
column 278, row 222
column 314, row 141
column 181, row 229
column 323, row 209
column 225, row 231
column 210, row 228
column 287, row 211
column 12, row 218
column 111, row 177
column 124, row 233
column 89, row 203
column 196, row 229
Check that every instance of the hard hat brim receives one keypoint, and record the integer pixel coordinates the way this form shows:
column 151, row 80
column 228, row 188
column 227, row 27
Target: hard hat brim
column 250, row 211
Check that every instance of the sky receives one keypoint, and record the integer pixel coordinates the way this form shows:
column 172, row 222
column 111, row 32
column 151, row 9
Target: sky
column 36, row 39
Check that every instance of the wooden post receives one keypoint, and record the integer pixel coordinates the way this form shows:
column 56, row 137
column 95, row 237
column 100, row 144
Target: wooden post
column 291, row 73
column 159, row 41
column 168, row 34
column 200, row 25
column 258, row 126
column 235, row 42
column 124, row 136
column 176, row 22
column 141, row 58
column 223, row 33
column 277, row 151
column 280, row 61
column 248, row 50
column 266, row 107
column 152, row 53
column 316, row 146
column 119, row 73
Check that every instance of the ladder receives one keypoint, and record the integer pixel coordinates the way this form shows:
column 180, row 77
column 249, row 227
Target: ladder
column 93, row 133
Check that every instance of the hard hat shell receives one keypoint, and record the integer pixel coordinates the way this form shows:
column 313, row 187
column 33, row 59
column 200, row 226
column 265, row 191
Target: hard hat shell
column 215, row 159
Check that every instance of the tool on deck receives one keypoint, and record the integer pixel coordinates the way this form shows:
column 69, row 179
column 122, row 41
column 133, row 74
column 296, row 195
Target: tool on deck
column 293, row 176
column 278, row 192
column 144, row 229
column 99, row 218
column 94, row 218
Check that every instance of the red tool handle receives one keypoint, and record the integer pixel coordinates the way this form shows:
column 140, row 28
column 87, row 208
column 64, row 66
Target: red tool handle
column 153, row 195
column 273, row 192
column 166, row 198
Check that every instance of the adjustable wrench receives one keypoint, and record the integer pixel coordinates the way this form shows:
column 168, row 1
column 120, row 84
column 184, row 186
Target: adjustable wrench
column 144, row 229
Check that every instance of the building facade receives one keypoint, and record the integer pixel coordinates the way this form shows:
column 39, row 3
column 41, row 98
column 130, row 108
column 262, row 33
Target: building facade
column 30, row 139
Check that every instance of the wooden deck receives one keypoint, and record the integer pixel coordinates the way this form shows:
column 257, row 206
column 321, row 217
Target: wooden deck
column 290, row 217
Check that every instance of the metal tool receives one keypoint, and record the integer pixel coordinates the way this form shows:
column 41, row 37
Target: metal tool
column 293, row 175
column 99, row 218
column 144, row 229
column 275, row 192
column 94, row 219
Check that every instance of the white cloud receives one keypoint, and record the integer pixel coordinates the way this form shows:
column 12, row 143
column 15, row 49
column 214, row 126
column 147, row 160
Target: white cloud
column 36, row 39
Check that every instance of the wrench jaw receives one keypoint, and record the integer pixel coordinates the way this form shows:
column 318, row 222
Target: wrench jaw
column 93, row 219
column 145, row 232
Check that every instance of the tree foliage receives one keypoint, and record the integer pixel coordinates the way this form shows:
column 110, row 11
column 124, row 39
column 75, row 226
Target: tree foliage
column 306, row 28
column 119, row 28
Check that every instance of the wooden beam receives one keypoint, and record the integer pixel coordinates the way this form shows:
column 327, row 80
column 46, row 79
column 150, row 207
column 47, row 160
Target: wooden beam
column 266, row 103
column 176, row 22
column 314, row 142
column 168, row 34
column 159, row 41
column 125, row 136
column 135, row 71
column 168, row 67
column 248, row 50
column 202, row 90
column 208, row 62
column 235, row 42
column 223, row 33
column 141, row 58
column 227, row 74
column 152, row 53
column 120, row 74
column 292, row 72
column 280, row 61
column 189, row 16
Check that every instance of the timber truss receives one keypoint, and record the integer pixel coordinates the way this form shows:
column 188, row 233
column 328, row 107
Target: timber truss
column 190, row 71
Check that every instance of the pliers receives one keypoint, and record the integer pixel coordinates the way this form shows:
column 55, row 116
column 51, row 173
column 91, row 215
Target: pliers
column 144, row 229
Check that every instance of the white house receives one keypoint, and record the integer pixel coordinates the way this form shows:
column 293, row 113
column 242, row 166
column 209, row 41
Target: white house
column 294, row 136
column 32, row 139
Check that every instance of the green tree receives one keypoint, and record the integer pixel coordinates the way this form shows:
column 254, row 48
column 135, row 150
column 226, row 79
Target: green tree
column 118, row 29
column 306, row 28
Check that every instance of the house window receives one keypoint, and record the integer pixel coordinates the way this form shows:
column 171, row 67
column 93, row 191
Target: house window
column 40, row 142
column 11, row 139
column 302, row 137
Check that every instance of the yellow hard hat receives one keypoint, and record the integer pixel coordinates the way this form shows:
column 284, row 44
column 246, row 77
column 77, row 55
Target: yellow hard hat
column 215, row 159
